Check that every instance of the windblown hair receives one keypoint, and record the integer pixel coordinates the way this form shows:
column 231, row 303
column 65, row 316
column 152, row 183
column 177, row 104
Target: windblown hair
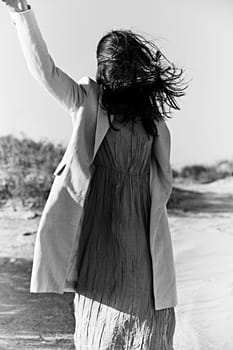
column 136, row 79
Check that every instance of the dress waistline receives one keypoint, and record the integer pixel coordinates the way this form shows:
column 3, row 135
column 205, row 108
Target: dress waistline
column 144, row 173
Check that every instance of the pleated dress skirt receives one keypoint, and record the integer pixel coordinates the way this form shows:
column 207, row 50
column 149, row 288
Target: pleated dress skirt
column 113, row 305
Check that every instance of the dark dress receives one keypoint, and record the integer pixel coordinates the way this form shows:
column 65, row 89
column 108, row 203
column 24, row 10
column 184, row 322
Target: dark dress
column 114, row 306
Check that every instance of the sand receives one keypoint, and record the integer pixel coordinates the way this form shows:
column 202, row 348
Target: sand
column 203, row 251
column 202, row 236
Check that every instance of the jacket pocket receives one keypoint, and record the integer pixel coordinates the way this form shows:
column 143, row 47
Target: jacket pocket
column 59, row 169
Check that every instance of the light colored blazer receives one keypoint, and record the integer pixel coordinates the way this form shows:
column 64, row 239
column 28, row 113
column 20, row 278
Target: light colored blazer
column 58, row 235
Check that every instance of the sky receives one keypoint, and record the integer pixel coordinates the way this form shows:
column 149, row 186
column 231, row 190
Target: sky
column 195, row 34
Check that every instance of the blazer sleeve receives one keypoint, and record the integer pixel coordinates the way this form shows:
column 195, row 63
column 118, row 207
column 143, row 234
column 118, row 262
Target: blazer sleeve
column 161, row 151
column 41, row 65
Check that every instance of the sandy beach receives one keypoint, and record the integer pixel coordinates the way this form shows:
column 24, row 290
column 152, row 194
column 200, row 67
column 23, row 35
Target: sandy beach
column 202, row 234
column 203, row 245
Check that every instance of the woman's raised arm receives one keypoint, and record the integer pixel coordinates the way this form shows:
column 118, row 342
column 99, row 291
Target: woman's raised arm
column 70, row 93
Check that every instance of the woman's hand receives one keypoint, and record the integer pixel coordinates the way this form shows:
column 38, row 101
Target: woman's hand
column 16, row 5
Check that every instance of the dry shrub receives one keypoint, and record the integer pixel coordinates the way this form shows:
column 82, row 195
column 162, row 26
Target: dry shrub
column 27, row 168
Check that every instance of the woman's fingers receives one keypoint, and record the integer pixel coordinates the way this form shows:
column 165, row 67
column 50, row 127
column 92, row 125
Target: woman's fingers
column 15, row 5
column 11, row 4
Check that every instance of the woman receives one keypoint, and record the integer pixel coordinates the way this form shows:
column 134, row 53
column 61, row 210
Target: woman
column 110, row 192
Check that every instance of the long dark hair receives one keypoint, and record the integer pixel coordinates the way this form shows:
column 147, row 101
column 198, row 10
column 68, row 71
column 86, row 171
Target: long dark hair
column 136, row 79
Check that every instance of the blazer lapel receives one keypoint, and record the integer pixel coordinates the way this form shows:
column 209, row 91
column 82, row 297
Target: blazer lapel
column 102, row 126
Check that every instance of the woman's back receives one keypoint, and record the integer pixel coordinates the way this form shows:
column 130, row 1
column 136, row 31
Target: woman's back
column 127, row 150
column 114, row 267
